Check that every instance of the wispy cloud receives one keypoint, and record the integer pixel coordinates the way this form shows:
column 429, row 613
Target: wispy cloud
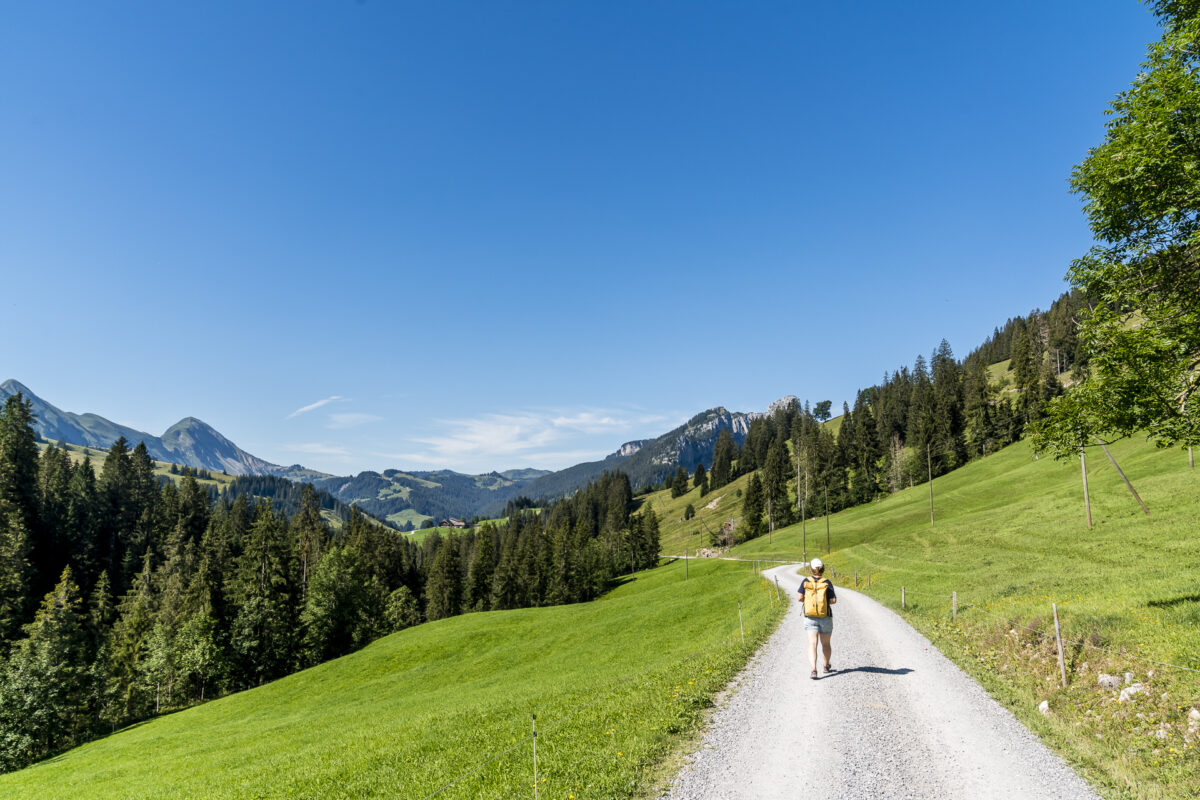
column 319, row 449
column 351, row 420
column 525, row 436
column 316, row 405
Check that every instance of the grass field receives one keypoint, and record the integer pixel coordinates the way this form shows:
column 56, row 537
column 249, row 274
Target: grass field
column 616, row 684
column 408, row 515
column 1010, row 538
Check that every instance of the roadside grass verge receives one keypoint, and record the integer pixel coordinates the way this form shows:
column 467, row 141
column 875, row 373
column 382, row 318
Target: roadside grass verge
column 1010, row 538
column 617, row 684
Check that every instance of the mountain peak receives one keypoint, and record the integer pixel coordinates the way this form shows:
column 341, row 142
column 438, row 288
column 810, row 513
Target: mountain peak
column 13, row 386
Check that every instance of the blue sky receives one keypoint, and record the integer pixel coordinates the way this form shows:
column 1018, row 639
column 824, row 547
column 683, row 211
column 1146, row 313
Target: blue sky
column 362, row 235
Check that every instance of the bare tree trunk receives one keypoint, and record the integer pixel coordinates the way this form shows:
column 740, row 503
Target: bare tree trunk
column 1121, row 472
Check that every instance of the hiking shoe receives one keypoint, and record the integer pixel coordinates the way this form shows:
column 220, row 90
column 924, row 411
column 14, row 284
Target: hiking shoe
column 828, row 669
column 814, row 675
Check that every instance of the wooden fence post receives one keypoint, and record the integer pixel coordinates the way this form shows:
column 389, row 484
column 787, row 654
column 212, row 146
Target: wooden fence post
column 903, row 605
column 1062, row 664
column 1087, row 498
column 535, row 777
column 954, row 604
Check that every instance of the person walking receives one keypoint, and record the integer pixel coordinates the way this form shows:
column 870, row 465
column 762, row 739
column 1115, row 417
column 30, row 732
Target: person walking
column 818, row 597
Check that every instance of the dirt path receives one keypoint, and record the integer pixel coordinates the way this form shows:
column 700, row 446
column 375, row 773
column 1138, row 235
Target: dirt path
column 896, row 720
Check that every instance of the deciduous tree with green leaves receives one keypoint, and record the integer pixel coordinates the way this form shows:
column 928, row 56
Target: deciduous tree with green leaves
column 1141, row 191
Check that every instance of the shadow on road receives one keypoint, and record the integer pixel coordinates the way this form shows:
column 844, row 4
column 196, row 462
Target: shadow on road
column 871, row 670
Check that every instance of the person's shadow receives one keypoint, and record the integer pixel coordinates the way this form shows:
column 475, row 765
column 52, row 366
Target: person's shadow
column 871, row 670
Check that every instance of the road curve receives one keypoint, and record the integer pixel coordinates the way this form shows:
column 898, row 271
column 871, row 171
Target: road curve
column 896, row 720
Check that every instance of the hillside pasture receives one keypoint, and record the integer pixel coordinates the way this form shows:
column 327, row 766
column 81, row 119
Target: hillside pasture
column 617, row 685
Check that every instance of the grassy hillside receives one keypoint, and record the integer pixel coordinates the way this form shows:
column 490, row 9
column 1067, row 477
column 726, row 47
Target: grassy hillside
column 418, row 709
column 1010, row 537
column 162, row 469
column 678, row 535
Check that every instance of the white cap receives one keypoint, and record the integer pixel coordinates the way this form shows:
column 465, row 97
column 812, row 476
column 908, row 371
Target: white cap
column 816, row 563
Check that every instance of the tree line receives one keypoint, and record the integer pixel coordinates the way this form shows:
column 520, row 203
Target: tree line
column 123, row 596
column 916, row 424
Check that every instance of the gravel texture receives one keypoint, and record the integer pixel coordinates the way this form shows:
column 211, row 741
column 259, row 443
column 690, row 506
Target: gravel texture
column 896, row 720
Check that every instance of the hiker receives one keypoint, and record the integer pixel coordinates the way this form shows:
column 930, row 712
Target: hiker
column 817, row 595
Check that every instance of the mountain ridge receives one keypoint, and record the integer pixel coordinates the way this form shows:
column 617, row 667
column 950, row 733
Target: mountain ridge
column 396, row 493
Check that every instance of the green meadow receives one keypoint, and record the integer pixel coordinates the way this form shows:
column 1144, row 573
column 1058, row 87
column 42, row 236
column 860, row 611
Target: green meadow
column 617, row 685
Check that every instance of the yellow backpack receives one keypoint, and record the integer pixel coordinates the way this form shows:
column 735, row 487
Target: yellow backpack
column 815, row 602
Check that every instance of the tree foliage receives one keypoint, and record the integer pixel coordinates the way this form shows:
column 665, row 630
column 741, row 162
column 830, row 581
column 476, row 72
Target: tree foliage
column 1141, row 191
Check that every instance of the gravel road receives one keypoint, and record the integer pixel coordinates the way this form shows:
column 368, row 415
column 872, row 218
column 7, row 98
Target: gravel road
column 896, row 720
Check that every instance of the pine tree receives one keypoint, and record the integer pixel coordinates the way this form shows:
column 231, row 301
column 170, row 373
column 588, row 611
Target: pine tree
column 19, row 524
column 310, row 533
column 129, row 642
column 481, row 570
column 263, row 636
column 443, row 591
column 752, row 510
column 947, row 378
column 723, row 454
column 46, row 682
column 81, row 527
column 679, row 485
column 51, row 549
column 775, row 479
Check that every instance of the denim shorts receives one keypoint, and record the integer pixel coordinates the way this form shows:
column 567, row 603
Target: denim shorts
column 819, row 624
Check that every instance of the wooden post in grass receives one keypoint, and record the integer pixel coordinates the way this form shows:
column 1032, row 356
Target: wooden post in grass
column 740, row 626
column 903, row 606
column 1062, row 664
column 1121, row 472
column 826, row 520
column 1087, row 500
column 855, row 579
column 777, row 597
column 535, row 777
column 954, row 605
column 929, row 465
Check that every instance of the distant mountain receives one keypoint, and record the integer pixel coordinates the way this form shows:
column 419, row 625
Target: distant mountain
column 189, row 442
column 650, row 461
column 439, row 494
column 392, row 493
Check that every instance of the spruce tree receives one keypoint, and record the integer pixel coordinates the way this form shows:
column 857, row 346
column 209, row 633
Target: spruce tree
column 45, row 685
column 775, row 480
column 81, row 527
column 480, row 571
column 263, row 637
column 443, row 591
column 679, row 485
column 753, row 506
column 19, row 524
column 723, row 454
